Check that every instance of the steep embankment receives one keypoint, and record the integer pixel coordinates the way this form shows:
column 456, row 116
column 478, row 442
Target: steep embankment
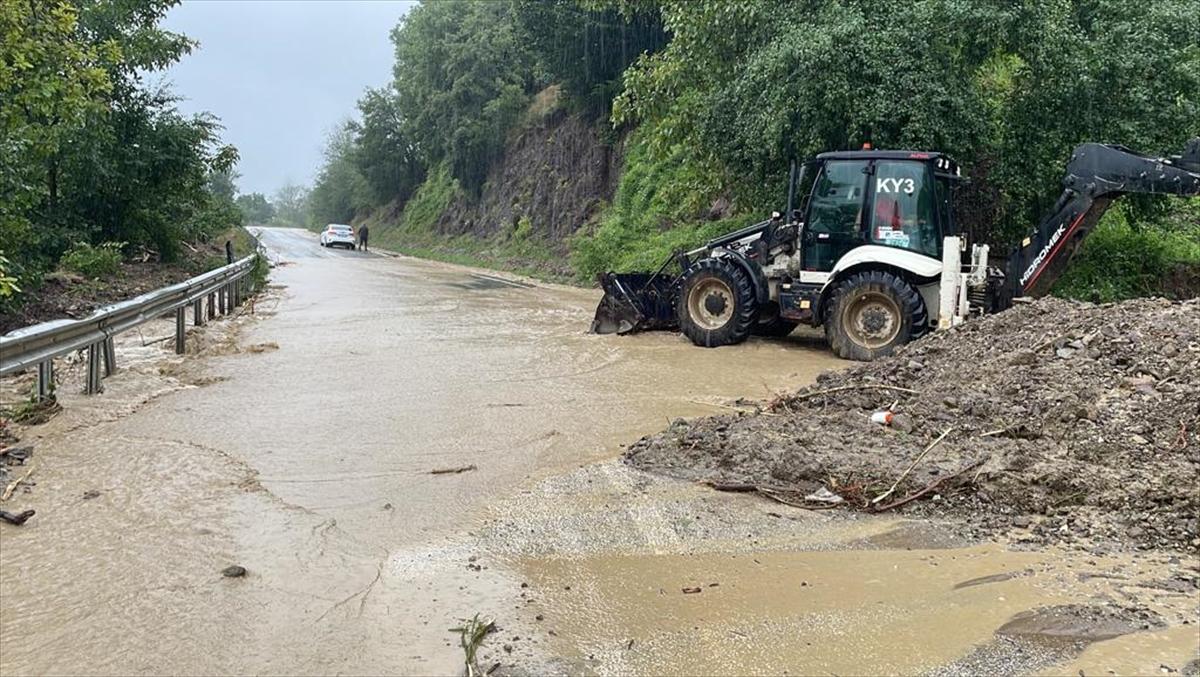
column 557, row 174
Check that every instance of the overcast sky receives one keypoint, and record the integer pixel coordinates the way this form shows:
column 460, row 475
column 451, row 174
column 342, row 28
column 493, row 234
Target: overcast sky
column 280, row 74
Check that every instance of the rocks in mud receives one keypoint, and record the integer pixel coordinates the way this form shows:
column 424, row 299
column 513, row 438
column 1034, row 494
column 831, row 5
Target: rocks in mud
column 16, row 455
column 233, row 571
column 1085, row 419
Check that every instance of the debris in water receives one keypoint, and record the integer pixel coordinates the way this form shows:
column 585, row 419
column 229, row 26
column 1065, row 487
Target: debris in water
column 17, row 455
column 691, row 591
column 16, row 519
column 883, row 417
column 90, row 494
column 453, row 471
column 824, row 495
column 12, row 486
column 233, row 571
column 1108, row 432
column 471, row 634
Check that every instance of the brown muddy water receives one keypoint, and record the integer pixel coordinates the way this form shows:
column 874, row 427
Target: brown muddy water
column 298, row 443
column 310, row 465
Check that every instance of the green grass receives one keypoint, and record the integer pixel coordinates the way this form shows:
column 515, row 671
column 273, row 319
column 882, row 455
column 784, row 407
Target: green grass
column 93, row 261
column 1120, row 261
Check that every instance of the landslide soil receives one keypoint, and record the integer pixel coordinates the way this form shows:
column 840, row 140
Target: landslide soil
column 1067, row 421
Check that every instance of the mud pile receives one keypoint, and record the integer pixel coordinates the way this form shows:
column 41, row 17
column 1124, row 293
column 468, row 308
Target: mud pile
column 1067, row 421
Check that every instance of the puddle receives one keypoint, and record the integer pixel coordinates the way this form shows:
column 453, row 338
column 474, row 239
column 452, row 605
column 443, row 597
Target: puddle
column 309, row 465
column 839, row 612
column 481, row 282
column 849, row 612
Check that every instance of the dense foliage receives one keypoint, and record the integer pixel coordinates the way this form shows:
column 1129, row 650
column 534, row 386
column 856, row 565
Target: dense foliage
column 465, row 76
column 89, row 154
column 1009, row 86
column 710, row 99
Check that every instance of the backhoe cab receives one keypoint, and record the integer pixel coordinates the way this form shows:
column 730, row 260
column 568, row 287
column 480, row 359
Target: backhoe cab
column 873, row 253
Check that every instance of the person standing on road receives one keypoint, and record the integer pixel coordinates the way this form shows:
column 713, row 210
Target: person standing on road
column 362, row 237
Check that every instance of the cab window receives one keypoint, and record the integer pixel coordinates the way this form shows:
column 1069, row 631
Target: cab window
column 902, row 214
column 837, row 198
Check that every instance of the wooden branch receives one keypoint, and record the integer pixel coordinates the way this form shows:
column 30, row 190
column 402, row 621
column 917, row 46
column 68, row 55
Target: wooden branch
column 452, row 471
column 904, row 474
column 12, row 486
column 806, row 396
column 934, row 485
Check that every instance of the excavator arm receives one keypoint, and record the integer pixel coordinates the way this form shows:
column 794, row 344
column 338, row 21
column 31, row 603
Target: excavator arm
column 1096, row 175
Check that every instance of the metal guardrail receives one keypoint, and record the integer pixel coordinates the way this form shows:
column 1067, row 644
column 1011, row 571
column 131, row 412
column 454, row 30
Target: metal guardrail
column 215, row 292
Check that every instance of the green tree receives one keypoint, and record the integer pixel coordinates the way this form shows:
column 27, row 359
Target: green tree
column 383, row 150
column 89, row 152
column 51, row 78
column 290, row 202
column 586, row 47
column 462, row 78
column 339, row 191
column 1008, row 88
column 255, row 208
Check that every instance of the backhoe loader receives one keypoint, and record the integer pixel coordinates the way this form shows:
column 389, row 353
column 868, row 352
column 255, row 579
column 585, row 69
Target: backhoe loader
column 873, row 253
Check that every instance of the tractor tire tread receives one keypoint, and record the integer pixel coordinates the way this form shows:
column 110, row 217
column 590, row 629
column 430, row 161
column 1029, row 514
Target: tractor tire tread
column 745, row 317
column 915, row 320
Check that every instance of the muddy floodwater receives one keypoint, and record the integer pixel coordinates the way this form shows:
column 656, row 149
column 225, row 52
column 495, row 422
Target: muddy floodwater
column 299, row 441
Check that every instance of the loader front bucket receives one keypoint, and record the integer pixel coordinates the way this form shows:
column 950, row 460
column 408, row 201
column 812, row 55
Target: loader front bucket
column 635, row 302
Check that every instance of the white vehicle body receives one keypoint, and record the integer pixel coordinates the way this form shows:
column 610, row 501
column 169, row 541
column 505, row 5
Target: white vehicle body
column 338, row 235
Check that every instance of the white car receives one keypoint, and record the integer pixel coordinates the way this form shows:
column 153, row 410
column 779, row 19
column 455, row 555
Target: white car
column 336, row 234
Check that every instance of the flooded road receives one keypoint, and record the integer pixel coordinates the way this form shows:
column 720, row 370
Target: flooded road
column 299, row 440
column 307, row 460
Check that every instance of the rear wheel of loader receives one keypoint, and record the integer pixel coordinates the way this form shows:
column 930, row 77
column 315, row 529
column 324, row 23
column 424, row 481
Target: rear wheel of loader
column 716, row 306
column 870, row 314
column 771, row 324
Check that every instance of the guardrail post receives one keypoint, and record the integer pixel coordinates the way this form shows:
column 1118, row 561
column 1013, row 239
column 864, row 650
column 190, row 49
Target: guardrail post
column 180, row 330
column 110, row 356
column 212, row 305
column 45, row 380
column 221, row 299
column 198, row 313
column 93, row 370
column 237, row 292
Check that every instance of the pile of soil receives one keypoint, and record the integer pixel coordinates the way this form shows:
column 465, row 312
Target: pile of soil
column 1073, row 421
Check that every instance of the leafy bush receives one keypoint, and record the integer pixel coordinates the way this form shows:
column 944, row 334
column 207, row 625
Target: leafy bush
column 8, row 283
column 1119, row 261
column 430, row 201
column 522, row 229
column 93, row 262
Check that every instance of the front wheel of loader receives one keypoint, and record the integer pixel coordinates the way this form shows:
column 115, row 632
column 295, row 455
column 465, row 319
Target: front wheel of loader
column 717, row 305
column 871, row 314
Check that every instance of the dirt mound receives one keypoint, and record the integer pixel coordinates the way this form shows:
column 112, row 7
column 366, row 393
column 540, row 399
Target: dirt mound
column 1077, row 422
